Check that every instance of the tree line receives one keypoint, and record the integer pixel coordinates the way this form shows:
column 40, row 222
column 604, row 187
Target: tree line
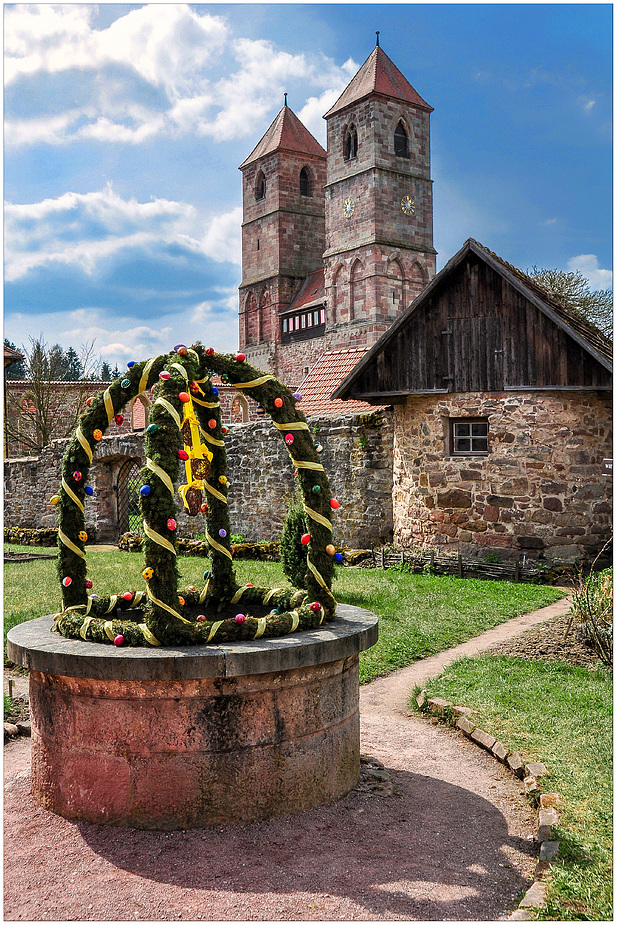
column 54, row 363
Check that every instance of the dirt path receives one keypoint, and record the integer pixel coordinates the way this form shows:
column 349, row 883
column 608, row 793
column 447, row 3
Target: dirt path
column 452, row 839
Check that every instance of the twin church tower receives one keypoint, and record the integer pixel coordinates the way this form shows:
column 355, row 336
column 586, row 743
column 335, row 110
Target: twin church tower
column 336, row 243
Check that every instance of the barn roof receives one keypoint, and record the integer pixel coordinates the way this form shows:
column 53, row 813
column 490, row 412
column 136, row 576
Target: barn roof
column 379, row 75
column 329, row 370
column 584, row 332
column 286, row 133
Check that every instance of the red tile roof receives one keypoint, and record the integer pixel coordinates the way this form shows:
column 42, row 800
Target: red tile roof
column 327, row 373
column 312, row 292
column 285, row 134
column 378, row 75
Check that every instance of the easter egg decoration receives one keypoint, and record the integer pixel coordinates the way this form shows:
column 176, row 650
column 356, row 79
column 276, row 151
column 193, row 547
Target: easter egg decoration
column 119, row 640
column 278, row 402
column 145, row 490
column 305, row 539
column 119, row 419
column 334, row 504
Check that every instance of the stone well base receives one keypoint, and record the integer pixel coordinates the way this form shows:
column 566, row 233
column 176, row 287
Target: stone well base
column 209, row 735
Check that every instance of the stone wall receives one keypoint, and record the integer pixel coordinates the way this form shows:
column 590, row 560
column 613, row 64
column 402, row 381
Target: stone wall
column 539, row 490
column 357, row 456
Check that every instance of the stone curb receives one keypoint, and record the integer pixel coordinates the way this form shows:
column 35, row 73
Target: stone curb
column 531, row 773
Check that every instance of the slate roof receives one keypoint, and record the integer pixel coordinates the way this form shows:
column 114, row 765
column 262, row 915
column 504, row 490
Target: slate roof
column 379, row 75
column 312, row 293
column 286, row 133
column 329, row 370
column 584, row 332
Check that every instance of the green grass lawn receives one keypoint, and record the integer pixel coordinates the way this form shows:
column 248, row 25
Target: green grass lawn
column 420, row 615
column 561, row 715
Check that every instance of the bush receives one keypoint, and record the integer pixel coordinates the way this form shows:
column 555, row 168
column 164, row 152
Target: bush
column 592, row 606
column 293, row 554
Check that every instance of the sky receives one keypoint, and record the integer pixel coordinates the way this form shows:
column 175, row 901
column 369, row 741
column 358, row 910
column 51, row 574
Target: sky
column 124, row 126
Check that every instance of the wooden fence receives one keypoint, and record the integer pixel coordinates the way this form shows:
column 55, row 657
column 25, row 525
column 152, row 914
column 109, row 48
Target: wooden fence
column 517, row 570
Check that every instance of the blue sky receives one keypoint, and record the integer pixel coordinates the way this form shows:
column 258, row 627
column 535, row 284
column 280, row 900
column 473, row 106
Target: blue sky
column 125, row 125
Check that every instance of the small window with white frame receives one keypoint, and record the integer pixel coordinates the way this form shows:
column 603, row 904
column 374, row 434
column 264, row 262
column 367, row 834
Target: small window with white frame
column 469, row 436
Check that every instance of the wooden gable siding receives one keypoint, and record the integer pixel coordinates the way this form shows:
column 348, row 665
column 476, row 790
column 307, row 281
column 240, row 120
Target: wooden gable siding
column 478, row 333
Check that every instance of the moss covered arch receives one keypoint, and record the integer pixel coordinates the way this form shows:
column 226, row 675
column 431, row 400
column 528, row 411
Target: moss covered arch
column 165, row 615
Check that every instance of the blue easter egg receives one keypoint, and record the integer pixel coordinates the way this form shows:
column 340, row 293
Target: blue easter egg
column 89, row 490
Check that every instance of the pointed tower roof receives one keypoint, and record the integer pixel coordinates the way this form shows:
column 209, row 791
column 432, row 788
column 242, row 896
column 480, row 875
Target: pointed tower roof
column 380, row 75
column 285, row 134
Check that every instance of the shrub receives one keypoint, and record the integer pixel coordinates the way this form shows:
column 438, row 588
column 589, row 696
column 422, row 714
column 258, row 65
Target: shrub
column 592, row 606
column 292, row 552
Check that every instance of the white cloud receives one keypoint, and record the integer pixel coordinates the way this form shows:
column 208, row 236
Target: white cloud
column 84, row 229
column 549, row 221
column 170, row 57
column 589, row 266
column 586, row 103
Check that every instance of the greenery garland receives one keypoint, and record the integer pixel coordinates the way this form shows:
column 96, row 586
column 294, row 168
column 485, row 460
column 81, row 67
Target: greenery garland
column 183, row 392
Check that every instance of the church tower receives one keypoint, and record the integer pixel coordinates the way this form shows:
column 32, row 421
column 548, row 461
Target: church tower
column 379, row 205
column 283, row 233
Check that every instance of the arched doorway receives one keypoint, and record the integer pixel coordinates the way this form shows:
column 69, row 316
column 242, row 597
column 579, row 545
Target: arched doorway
column 127, row 498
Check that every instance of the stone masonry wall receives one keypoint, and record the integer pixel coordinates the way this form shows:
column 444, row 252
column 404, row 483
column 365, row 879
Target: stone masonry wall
column 357, row 456
column 539, row 490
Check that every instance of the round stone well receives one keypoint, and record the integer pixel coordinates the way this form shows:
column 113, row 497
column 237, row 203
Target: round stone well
column 175, row 738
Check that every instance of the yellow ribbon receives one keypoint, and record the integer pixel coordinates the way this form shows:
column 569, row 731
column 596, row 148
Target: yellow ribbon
column 206, row 404
column 237, row 595
column 204, row 593
column 213, row 440
column 318, row 577
column 109, row 631
column 143, row 382
column 113, row 600
column 67, row 542
column 152, row 466
column 148, row 636
column 170, row 410
column 109, row 405
column 166, row 607
column 72, row 495
column 84, row 627
column 183, row 372
column 299, row 425
column 213, row 630
column 318, row 518
column 215, row 492
column 270, row 594
column 85, row 445
column 295, row 619
column 301, row 464
column 261, row 622
column 157, row 538
column 218, row 546
column 253, row 384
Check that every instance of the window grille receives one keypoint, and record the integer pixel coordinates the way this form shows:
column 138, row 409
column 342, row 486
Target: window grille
column 469, row 437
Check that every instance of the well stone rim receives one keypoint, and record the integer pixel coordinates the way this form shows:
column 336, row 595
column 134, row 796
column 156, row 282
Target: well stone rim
column 32, row 645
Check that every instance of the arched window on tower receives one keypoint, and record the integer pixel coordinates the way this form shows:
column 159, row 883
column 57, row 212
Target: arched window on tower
column 350, row 148
column 401, row 141
column 260, row 185
column 305, row 183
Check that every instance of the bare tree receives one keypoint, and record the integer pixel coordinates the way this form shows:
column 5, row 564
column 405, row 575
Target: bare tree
column 48, row 403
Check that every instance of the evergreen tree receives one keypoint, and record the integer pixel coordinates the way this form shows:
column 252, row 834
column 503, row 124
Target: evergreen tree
column 73, row 365
column 105, row 371
column 291, row 550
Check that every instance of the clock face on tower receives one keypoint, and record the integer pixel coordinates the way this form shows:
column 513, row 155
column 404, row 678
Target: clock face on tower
column 408, row 205
column 348, row 207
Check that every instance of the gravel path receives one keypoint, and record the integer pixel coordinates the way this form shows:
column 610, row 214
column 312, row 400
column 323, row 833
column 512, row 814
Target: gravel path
column 442, row 832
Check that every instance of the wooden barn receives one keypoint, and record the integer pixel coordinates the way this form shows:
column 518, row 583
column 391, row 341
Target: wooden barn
column 502, row 415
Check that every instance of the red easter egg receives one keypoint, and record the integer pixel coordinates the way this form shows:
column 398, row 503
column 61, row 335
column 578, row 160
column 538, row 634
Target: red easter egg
column 182, row 454
column 77, row 476
column 191, row 588
column 289, row 439
column 171, row 524
column 184, row 396
column 164, row 374
column 240, row 357
column 210, row 351
column 315, row 606
column 334, row 504
column 305, row 539
column 182, row 351
column 88, row 583
column 239, row 618
column 128, row 595
column 119, row 419
column 201, row 618
column 88, row 401
column 204, row 508
column 278, row 402
column 119, row 640
column 67, row 581
column 212, row 423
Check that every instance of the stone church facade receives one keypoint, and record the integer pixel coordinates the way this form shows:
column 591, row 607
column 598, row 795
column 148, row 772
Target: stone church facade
column 336, row 243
